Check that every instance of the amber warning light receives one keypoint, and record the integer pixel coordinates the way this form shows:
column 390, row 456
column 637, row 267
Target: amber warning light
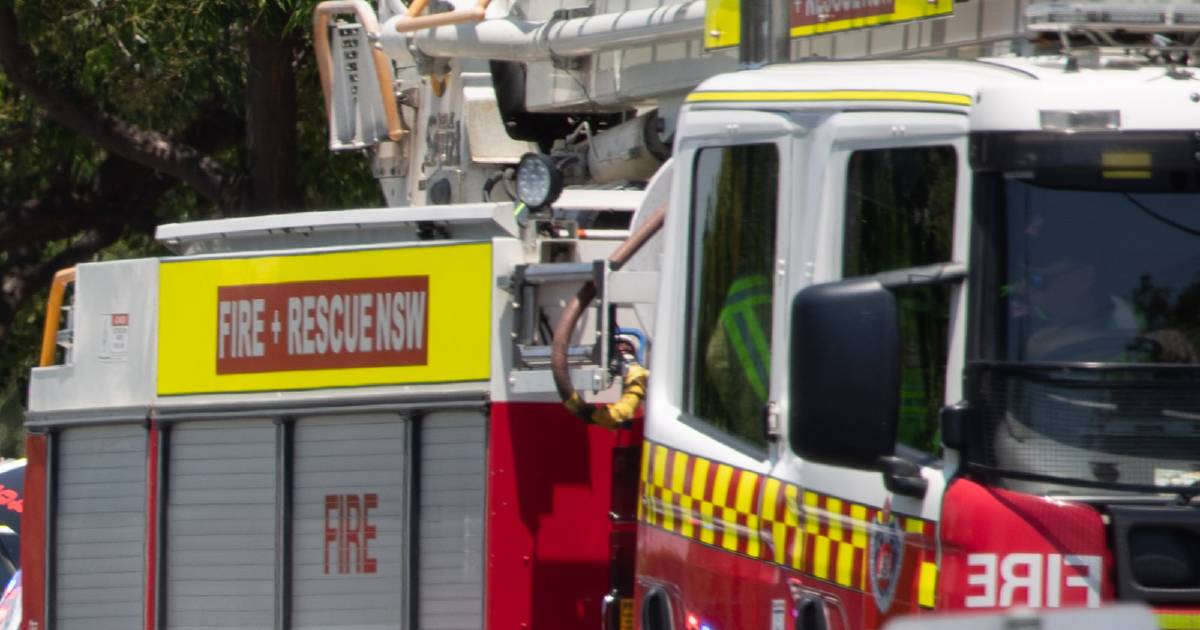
column 326, row 324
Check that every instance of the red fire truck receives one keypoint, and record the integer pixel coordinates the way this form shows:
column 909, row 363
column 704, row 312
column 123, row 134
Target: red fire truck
column 916, row 287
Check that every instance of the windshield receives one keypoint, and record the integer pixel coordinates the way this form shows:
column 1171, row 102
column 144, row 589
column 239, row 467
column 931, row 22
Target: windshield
column 1098, row 276
column 1085, row 368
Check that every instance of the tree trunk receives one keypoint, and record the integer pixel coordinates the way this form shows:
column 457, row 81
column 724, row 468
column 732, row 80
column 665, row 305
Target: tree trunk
column 271, row 116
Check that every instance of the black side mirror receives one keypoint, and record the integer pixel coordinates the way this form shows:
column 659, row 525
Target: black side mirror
column 845, row 366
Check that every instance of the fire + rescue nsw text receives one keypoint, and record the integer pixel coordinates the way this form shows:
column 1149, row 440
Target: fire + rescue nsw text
column 323, row 324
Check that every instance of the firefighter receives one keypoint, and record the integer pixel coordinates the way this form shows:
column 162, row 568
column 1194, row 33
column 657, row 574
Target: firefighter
column 739, row 353
column 1076, row 320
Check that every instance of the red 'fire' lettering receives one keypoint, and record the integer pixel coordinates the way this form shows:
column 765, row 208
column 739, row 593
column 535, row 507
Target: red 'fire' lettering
column 348, row 531
column 333, row 504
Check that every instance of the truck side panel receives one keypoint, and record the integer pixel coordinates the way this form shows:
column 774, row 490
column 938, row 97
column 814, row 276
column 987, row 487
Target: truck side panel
column 99, row 541
column 386, row 510
column 110, row 364
column 350, row 520
column 449, row 543
column 552, row 485
column 220, row 530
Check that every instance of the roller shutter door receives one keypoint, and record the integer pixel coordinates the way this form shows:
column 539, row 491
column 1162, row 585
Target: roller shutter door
column 221, row 525
column 350, row 517
column 450, row 549
column 100, row 537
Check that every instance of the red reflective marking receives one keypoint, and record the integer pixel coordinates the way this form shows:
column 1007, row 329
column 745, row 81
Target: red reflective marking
column 151, row 524
column 688, row 471
column 756, row 532
column 710, row 487
column 33, row 535
column 824, row 521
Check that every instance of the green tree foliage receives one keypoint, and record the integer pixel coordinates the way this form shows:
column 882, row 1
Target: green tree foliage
column 120, row 115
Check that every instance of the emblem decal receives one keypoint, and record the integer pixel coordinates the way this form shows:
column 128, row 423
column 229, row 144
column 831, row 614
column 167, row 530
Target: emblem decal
column 885, row 556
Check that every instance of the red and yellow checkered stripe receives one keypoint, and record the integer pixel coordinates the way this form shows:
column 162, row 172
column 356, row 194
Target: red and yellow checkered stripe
column 769, row 519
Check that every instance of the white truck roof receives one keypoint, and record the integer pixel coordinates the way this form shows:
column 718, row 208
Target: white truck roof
column 1000, row 94
column 372, row 225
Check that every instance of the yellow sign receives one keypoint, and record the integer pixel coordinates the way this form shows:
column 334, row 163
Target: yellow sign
column 1126, row 164
column 722, row 18
column 722, row 23
column 340, row 319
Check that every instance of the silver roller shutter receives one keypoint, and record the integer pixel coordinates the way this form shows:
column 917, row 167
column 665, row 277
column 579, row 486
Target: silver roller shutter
column 100, row 536
column 221, row 525
column 350, row 511
column 452, row 472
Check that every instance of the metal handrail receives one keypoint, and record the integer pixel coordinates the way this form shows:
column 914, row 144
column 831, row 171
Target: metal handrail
column 58, row 290
column 413, row 21
column 370, row 24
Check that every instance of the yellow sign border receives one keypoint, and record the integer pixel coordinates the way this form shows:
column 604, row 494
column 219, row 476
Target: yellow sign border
column 459, row 317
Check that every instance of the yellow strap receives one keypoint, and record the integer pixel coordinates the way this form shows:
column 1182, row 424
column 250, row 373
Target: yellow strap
column 617, row 414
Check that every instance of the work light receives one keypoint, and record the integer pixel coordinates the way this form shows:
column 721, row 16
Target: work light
column 539, row 183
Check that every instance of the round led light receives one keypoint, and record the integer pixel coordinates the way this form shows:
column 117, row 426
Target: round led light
column 538, row 181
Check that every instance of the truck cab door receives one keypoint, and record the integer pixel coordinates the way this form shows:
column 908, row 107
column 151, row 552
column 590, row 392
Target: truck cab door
column 890, row 192
column 735, row 179
column 715, row 373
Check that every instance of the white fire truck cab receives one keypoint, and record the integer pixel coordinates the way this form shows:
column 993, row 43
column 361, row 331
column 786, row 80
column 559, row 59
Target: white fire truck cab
column 970, row 320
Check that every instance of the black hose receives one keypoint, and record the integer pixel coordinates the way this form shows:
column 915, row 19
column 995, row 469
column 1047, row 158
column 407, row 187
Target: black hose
column 574, row 311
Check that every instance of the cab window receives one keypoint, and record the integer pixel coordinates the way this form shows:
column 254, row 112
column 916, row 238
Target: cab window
column 900, row 214
column 734, row 201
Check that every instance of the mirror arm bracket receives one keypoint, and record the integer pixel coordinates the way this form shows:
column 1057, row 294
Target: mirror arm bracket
column 902, row 476
column 927, row 276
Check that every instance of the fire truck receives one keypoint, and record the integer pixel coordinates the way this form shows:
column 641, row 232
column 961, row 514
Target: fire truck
column 915, row 281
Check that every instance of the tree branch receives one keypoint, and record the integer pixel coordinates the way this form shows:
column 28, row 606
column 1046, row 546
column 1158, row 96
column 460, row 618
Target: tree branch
column 147, row 147
column 124, row 195
column 26, row 269
column 30, row 272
